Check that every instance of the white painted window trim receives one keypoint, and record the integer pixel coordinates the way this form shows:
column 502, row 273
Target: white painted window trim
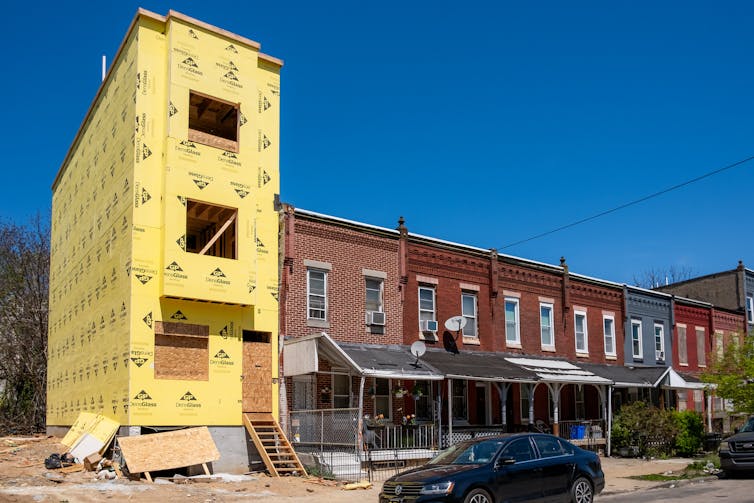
column 475, row 316
column 683, row 359
column 517, row 311
column 640, row 354
column 750, row 308
column 610, row 317
column 585, row 350
column 382, row 291
column 662, row 340
column 434, row 302
column 700, row 362
column 548, row 305
column 309, row 294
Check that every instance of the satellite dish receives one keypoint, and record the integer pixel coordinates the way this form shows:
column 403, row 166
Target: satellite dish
column 418, row 348
column 455, row 324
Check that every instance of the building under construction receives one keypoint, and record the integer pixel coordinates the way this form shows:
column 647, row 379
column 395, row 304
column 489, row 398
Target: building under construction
column 164, row 263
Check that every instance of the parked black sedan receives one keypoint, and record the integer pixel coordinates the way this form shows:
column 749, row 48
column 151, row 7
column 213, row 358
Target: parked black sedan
column 516, row 467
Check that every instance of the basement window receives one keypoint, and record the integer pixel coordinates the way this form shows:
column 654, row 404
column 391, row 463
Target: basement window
column 181, row 351
column 211, row 229
column 213, row 121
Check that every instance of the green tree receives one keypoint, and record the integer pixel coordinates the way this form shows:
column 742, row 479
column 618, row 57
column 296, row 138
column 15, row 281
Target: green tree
column 24, row 279
column 732, row 374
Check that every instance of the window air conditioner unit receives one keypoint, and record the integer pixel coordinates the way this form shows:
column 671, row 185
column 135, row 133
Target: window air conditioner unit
column 429, row 326
column 376, row 318
column 659, row 355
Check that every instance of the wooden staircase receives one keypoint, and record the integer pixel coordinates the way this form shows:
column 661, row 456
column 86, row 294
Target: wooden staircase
column 273, row 446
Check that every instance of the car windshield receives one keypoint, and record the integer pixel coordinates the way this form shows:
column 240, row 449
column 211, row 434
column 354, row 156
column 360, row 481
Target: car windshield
column 468, row 453
column 749, row 426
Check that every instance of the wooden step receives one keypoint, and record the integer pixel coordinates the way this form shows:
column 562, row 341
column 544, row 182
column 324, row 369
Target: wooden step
column 274, row 448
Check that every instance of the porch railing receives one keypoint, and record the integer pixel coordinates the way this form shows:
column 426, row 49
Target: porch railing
column 587, row 432
column 420, row 436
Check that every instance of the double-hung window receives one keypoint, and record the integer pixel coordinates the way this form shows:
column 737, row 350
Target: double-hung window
column 373, row 295
column 316, row 287
column 608, row 323
column 659, row 342
column 750, row 308
column 701, row 347
column 636, row 349
column 580, row 331
column 546, row 325
column 512, row 334
column 683, row 353
column 426, row 306
column 468, row 310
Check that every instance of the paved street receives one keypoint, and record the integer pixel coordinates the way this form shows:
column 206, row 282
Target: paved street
column 733, row 490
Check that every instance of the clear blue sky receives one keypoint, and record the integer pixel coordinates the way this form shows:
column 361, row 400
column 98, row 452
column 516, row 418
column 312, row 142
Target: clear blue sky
column 483, row 123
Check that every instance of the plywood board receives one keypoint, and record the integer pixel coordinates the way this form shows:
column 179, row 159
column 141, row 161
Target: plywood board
column 86, row 445
column 165, row 451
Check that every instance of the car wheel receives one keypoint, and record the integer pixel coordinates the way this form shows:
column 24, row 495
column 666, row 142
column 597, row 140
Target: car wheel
column 581, row 491
column 478, row 496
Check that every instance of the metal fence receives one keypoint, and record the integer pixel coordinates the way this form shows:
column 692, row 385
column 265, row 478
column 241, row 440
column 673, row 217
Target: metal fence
column 327, row 442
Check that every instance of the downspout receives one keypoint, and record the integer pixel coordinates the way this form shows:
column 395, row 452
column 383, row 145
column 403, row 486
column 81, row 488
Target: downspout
column 493, row 289
column 402, row 258
column 566, row 293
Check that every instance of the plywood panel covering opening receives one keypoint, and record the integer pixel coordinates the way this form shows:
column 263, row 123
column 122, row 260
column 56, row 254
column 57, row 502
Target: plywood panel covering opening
column 181, row 351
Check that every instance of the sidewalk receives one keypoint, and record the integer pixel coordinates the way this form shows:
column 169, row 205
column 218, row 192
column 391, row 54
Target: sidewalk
column 617, row 470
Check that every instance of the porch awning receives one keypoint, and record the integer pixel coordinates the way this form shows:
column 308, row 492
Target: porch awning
column 676, row 381
column 301, row 356
column 389, row 362
column 628, row 376
column 558, row 371
column 477, row 365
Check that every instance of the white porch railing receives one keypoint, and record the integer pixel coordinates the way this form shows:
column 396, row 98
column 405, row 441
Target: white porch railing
column 391, row 436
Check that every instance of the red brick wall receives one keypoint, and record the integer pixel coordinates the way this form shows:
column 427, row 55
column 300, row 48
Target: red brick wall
column 450, row 269
column 597, row 299
column 692, row 317
column 348, row 250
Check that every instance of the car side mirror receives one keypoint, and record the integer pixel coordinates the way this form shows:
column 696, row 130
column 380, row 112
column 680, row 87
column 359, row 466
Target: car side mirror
column 735, row 430
column 504, row 461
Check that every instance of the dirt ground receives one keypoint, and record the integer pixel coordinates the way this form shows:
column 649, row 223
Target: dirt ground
column 24, row 478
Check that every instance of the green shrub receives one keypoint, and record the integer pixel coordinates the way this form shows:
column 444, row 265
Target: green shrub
column 690, row 435
column 651, row 430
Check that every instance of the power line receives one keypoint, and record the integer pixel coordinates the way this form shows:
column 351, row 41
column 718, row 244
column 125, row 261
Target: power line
column 631, row 203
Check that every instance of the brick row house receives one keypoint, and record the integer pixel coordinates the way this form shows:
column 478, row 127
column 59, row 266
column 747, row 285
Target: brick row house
column 394, row 339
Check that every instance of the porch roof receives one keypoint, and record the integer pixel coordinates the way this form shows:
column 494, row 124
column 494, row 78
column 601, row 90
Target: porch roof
column 628, row 377
column 558, row 371
column 677, row 381
column 389, row 361
column 372, row 360
column 477, row 365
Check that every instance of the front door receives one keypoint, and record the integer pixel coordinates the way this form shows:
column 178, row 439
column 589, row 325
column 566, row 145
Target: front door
column 256, row 386
column 303, row 392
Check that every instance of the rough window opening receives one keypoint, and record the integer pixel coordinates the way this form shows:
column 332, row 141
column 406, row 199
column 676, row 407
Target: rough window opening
column 211, row 229
column 181, row 351
column 213, row 121
column 254, row 336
